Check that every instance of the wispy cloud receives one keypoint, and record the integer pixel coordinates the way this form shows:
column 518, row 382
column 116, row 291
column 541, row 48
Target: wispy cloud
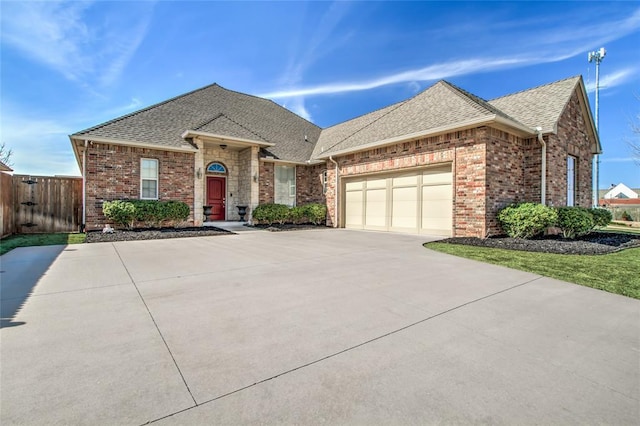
column 559, row 44
column 617, row 160
column 71, row 38
column 613, row 79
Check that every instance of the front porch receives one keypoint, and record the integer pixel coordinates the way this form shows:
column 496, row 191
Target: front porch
column 226, row 176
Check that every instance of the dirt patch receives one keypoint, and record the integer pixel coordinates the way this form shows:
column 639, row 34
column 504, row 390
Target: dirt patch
column 153, row 234
column 594, row 243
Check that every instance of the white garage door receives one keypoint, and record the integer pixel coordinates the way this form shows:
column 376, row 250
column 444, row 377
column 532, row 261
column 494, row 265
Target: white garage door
column 404, row 202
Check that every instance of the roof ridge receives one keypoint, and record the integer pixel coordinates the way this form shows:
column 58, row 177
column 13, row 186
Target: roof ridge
column 244, row 127
column 367, row 113
column 399, row 104
column 536, row 87
column 272, row 101
column 150, row 107
column 477, row 100
column 207, row 121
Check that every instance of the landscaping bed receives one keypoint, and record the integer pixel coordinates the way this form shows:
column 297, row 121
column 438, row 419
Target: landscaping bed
column 593, row 243
column 153, row 234
column 288, row 227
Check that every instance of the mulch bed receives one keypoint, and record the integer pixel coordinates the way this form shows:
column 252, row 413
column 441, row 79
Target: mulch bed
column 289, row 227
column 153, row 234
column 594, row 243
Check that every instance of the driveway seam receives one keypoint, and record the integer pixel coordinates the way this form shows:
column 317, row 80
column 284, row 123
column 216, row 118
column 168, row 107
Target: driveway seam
column 308, row 364
column 68, row 291
column 156, row 326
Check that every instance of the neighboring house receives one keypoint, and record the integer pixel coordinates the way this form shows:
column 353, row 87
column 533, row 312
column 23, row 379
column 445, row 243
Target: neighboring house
column 620, row 191
column 442, row 162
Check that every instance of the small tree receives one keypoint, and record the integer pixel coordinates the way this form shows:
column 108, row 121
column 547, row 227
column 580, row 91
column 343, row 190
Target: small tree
column 5, row 154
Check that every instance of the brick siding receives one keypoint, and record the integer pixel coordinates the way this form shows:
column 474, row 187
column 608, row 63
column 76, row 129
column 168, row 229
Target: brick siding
column 113, row 173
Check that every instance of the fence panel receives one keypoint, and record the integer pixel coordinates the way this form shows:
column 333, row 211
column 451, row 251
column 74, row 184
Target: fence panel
column 47, row 204
column 7, row 224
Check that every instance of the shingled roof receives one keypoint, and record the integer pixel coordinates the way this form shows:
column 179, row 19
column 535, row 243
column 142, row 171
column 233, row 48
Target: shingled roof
column 442, row 107
column 540, row 106
column 214, row 109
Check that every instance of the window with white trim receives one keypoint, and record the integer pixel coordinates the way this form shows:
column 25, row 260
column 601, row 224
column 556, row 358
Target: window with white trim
column 148, row 179
column 571, row 180
column 324, row 182
column 285, row 185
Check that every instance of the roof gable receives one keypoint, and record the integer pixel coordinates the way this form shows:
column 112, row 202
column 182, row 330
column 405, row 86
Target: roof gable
column 440, row 106
column 214, row 109
column 540, row 106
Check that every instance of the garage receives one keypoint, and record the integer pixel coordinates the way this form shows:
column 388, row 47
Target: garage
column 417, row 201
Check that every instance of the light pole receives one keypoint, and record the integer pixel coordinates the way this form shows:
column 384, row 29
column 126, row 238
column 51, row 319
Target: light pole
column 597, row 57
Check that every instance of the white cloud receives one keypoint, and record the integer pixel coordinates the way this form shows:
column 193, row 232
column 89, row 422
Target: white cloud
column 297, row 106
column 59, row 35
column 607, row 81
column 559, row 44
column 617, row 160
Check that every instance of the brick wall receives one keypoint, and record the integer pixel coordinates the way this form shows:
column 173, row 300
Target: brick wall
column 113, row 173
column 309, row 184
column 572, row 139
column 505, row 174
column 267, row 178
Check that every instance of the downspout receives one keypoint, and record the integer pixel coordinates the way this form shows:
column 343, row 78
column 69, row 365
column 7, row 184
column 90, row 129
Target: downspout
column 84, row 186
column 543, row 173
column 335, row 201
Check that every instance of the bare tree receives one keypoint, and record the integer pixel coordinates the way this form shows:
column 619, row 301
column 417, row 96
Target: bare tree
column 5, row 154
column 634, row 141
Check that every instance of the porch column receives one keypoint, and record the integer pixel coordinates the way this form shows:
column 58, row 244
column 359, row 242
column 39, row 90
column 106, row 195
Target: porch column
column 255, row 179
column 198, row 184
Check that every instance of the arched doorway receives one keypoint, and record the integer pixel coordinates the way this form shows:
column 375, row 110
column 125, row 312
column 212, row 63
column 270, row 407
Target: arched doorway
column 217, row 191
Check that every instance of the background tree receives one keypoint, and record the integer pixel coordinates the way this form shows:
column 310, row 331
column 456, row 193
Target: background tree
column 5, row 154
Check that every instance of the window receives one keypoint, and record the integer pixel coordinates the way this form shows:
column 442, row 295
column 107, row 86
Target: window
column 324, row 182
column 571, row 180
column 285, row 185
column 216, row 168
column 148, row 179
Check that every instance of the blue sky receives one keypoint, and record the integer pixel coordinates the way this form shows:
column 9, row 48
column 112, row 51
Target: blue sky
column 67, row 66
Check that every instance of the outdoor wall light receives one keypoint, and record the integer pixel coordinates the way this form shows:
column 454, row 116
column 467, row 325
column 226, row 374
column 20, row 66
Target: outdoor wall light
column 255, row 177
column 223, row 146
column 199, row 173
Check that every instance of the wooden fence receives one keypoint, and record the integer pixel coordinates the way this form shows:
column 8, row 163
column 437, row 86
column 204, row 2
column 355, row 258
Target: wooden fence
column 7, row 225
column 40, row 204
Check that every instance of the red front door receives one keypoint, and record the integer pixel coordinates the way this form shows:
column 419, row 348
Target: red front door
column 216, row 197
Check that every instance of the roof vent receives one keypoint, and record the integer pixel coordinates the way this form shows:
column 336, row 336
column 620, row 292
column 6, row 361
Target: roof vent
column 306, row 139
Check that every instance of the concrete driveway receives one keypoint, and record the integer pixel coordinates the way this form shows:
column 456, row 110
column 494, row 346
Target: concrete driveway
column 307, row 327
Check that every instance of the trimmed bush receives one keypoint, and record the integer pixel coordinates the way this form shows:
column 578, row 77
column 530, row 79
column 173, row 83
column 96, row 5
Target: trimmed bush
column 316, row 213
column 574, row 221
column 150, row 213
column 526, row 220
column 271, row 213
column 626, row 216
column 601, row 217
column 296, row 214
column 120, row 212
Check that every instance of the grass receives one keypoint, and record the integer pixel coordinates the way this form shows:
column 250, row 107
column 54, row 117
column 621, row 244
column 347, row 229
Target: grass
column 621, row 228
column 617, row 273
column 28, row 240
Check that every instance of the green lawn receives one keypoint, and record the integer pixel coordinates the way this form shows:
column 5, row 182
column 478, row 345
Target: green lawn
column 28, row 240
column 616, row 273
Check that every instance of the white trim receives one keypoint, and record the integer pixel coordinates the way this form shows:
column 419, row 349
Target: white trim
column 524, row 131
column 157, row 179
column 285, row 162
column 223, row 138
column 109, row 141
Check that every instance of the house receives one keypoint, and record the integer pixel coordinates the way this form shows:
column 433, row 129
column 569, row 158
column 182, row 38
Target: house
column 620, row 191
column 442, row 162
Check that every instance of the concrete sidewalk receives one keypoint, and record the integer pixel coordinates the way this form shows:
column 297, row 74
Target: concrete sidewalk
column 307, row 327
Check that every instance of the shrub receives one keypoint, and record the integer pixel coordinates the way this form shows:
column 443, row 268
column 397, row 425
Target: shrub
column 296, row 214
column 271, row 213
column 601, row 217
column 151, row 213
column 626, row 216
column 526, row 220
column 315, row 212
column 120, row 212
column 574, row 221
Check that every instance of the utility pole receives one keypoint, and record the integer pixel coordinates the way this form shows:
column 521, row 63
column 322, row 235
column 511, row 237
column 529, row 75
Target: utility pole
column 597, row 57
